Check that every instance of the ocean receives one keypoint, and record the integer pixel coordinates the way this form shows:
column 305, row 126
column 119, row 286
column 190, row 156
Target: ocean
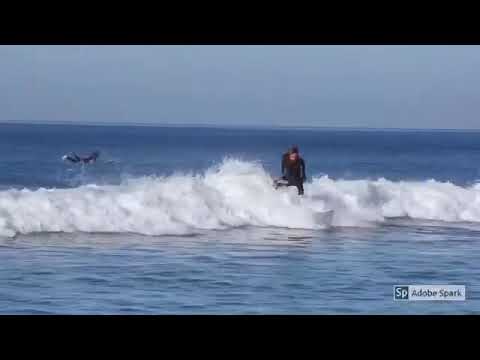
column 185, row 220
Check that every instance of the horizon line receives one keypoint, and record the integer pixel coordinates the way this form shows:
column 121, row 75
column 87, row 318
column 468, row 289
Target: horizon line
column 212, row 125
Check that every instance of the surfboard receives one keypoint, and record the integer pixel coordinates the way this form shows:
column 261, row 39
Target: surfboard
column 279, row 183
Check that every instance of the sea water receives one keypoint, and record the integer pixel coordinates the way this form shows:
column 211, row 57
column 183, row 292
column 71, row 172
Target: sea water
column 185, row 220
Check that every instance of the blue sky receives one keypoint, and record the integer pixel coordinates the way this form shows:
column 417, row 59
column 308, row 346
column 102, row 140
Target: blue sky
column 354, row 86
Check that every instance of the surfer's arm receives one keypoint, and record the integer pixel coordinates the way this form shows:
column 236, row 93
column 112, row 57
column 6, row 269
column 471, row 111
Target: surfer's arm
column 303, row 173
column 92, row 157
column 283, row 166
column 72, row 157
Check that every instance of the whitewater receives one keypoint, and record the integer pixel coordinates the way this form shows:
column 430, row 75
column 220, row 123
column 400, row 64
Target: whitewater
column 233, row 194
column 187, row 220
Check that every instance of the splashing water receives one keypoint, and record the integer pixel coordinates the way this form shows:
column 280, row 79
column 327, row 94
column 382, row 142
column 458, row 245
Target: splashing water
column 233, row 194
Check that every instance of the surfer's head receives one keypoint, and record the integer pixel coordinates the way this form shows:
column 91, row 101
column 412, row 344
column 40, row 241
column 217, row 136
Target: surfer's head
column 294, row 149
column 293, row 156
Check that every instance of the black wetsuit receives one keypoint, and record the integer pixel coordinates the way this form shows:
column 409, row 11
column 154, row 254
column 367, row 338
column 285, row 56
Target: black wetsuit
column 294, row 173
column 75, row 158
column 284, row 162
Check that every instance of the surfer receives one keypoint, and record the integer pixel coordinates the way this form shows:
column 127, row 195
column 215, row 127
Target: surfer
column 293, row 170
column 284, row 161
column 74, row 158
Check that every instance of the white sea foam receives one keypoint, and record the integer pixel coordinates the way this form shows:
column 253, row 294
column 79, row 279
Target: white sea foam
column 235, row 193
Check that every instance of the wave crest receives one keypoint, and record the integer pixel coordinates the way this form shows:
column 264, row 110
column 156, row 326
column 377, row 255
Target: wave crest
column 232, row 194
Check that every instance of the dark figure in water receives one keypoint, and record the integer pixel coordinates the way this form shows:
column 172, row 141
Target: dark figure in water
column 293, row 169
column 86, row 159
column 284, row 161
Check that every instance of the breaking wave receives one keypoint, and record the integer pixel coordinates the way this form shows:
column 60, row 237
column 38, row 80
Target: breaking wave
column 235, row 193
